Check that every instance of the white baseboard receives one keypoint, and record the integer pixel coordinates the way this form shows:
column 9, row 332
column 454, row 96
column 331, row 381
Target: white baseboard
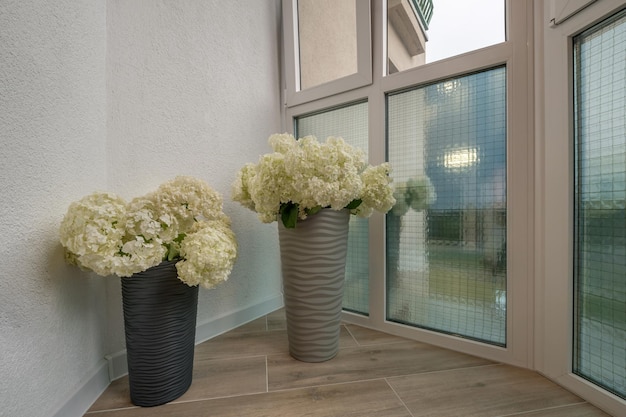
column 118, row 366
column 218, row 325
column 94, row 385
column 114, row 366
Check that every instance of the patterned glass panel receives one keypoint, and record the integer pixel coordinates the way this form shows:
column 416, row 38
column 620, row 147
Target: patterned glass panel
column 350, row 123
column 446, row 236
column 600, row 203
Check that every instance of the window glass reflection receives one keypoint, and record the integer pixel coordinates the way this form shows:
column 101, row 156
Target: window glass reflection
column 600, row 204
column 327, row 40
column 446, row 236
column 424, row 31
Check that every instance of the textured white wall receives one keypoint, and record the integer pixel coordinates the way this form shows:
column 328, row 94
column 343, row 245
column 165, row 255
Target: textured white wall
column 119, row 96
column 194, row 89
column 53, row 142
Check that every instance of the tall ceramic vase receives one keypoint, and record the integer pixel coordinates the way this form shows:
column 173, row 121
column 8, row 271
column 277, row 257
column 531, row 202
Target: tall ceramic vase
column 313, row 260
column 160, row 325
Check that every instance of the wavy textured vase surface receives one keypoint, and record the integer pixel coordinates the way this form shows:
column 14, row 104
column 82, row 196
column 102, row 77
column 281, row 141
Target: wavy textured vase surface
column 160, row 325
column 313, row 260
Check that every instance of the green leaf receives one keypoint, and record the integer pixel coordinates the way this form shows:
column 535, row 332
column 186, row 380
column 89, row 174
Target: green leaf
column 313, row 210
column 289, row 214
column 354, row 204
column 172, row 253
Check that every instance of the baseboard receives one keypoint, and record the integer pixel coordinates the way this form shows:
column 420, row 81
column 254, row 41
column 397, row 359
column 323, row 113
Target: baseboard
column 94, row 385
column 118, row 366
column 227, row 322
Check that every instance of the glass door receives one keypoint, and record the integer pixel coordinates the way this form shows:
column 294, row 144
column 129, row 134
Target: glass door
column 581, row 250
column 600, row 204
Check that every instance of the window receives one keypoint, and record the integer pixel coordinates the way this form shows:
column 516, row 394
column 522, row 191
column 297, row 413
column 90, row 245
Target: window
column 327, row 47
column 446, row 237
column 424, row 31
column 580, row 246
column 327, row 42
column 350, row 123
column 600, row 204
column 455, row 270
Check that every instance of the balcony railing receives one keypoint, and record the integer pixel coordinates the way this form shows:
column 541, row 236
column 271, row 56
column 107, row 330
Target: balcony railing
column 424, row 10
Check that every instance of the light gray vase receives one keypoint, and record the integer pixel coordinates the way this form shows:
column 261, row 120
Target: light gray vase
column 313, row 260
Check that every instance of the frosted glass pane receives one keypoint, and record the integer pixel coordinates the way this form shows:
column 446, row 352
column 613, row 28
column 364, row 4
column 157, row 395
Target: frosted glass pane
column 350, row 123
column 600, row 202
column 446, row 237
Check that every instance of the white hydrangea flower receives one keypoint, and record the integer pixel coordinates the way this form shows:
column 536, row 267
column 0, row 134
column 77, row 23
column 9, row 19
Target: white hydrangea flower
column 188, row 199
column 377, row 194
column 282, row 143
column 92, row 231
column 182, row 220
column 309, row 175
column 240, row 188
column 208, row 253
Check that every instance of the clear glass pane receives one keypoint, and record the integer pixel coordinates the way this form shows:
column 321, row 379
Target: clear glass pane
column 327, row 40
column 600, row 203
column 350, row 123
column 446, row 236
column 424, row 31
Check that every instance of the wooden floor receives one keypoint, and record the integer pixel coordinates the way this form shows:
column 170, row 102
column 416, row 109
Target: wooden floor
column 248, row 372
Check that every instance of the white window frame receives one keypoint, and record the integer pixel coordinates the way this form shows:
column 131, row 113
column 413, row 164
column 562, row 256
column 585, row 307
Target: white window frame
column 362, row 77
column 516, row 55
column 554, row 210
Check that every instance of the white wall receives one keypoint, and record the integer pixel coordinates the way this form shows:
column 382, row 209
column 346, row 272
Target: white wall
column 53, row 142
column 194, row 89
column 119, row 96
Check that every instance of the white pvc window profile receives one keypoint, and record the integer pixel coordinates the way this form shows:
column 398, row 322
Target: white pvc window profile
column 561, row 10
column 363, row 75
column 555, row 216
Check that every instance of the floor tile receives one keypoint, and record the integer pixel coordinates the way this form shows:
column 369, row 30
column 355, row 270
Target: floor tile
column 359, row 399
column 242, row 344
column 227, row 377
column 277, row 320
column 374, row 374
column 252, row 343
column 494, row 390
column 365, row 336
column 358, row 363
column 258, row 325
column 576, row 410
column 117, row 395
column 211, row 379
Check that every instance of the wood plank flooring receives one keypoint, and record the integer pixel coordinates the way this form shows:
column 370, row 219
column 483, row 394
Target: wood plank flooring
column 248, row 372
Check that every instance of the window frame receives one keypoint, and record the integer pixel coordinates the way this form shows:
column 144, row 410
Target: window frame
column 554, row 246
column 515, row 54
column 294, row 94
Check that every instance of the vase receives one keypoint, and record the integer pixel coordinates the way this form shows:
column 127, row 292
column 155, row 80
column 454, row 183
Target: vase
column 313, row 262
column 160, row 327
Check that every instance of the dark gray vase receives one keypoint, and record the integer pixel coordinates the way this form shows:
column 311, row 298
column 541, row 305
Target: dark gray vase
column 313, row 260
column 160, row 326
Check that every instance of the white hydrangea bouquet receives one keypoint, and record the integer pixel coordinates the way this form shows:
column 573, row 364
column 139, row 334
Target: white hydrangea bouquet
column 181, row 221
column 303, row 176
